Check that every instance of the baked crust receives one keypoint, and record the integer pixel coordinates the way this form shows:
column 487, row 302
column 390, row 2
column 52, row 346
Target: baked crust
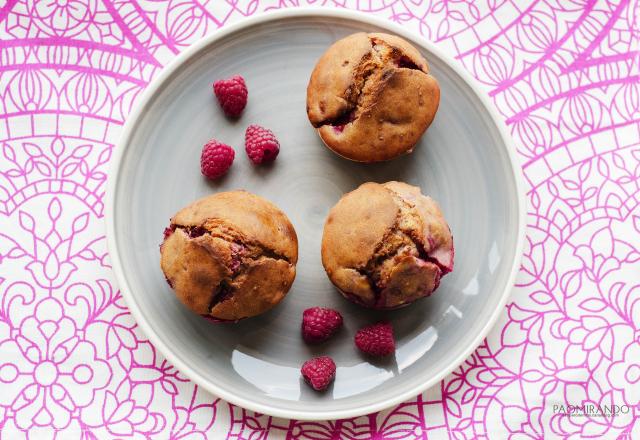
column 230, row 256
column 386, row 245
column 371, row 97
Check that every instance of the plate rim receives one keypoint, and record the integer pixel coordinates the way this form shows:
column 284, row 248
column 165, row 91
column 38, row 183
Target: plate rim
column 132, row 122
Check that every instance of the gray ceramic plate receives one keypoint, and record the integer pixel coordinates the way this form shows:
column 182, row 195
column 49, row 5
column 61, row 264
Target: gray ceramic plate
column 465, row 161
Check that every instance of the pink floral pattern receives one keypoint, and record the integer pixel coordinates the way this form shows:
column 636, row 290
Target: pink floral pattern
column 564, row 75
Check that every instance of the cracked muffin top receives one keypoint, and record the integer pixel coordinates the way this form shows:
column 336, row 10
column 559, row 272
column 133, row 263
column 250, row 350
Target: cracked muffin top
column 371, row 97
column 386, row 245
column 230, row 256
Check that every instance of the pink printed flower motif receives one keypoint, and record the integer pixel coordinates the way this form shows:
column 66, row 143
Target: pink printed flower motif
column 186, row 22
column 533, row 134
column 581, row 114
column 522, row 423
column 493, row 64
column 560, row 72
column 52, row 253
column 29, row 90
column 74, row 163
column 625, row 374
column 537, row 31
column 87, row 93
column 51, row 265
column 48, row 372
column 62, row 17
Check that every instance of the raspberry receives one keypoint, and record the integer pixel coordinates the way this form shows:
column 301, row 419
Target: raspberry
column 376, row 340
column 261, row 144
column 319, row 324
column 216, row 159
column 319, row 372
column 231, row 94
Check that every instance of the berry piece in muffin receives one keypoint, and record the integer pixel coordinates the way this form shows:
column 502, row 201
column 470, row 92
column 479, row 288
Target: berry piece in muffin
column 386, row 245
column 371, row 97
column 229, row 256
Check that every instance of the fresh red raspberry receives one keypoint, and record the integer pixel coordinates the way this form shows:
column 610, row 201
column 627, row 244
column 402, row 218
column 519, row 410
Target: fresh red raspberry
column 261, row 144
column 376, row 340
column 319, row 372
column 216, row 159
column 232, row 95
column 319, row 324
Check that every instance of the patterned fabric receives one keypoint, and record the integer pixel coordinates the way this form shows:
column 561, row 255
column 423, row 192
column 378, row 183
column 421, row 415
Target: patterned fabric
column 563, row 73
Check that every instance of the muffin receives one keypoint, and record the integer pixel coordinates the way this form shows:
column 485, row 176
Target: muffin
column 386, row 245
column 371, row 97
column 230, row 256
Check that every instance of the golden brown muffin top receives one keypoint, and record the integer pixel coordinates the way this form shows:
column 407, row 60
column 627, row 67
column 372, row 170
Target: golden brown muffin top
column 371, row 97
column 230, row 255
column 256, row 218
column 385, row 245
